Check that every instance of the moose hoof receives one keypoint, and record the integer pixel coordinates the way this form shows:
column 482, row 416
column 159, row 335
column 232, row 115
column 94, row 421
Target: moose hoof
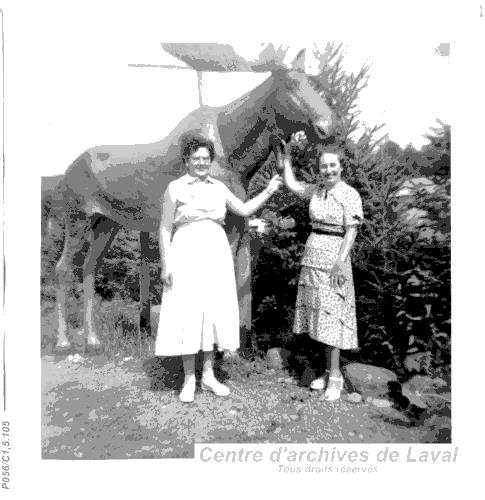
column 93, row 341
column 63, row 344
column 93, row 345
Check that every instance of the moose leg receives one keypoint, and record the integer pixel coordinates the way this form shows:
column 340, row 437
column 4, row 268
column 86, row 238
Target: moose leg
column 145, row 324
column 239, row 241
column 62, row 275
column 74, row 239
column 102, row 234
column 243, row 281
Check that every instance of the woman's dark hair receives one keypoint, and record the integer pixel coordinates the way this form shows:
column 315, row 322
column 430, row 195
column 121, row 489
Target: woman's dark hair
column 192, row 142
column 320, row 148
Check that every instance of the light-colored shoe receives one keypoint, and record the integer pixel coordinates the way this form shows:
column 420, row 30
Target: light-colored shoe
column 188, row 391
column 334, row 388
column 212, row 384
column 319, row 383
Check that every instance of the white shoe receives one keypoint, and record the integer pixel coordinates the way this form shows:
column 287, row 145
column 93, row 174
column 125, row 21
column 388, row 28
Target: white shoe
column 333, row 391
column 188, row 391
column 319, row 383
column 211, row 384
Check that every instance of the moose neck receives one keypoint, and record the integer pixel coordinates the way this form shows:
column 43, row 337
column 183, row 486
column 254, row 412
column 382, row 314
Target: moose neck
column 245, row 126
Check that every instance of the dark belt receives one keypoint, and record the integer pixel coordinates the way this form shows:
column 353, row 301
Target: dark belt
column 329, row 232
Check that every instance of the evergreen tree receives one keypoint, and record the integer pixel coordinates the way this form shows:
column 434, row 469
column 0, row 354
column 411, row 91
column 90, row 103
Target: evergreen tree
column 401, row 256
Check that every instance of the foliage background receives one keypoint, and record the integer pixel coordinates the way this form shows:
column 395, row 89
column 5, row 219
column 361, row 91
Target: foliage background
column 401, row 259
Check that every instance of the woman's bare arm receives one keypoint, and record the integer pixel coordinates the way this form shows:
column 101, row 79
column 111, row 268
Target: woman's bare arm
column 337, row 275
column 247, row 208
column 347, row 243
column 283, row 162
column 166, row 227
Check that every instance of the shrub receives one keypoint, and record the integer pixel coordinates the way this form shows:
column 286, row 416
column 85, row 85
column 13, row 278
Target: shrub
column 401, row 257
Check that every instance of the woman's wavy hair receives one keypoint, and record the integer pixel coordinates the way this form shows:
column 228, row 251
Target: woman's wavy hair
column 320, row 148
column 190, row 142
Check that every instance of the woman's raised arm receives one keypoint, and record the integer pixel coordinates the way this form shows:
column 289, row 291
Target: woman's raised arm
column 283, row 162
column 245, row 209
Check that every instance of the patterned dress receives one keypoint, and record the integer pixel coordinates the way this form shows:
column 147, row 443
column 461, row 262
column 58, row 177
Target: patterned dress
column 326, row 314
column 200, row 309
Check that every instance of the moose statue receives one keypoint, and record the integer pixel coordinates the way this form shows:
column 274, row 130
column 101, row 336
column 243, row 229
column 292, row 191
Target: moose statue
column 109, row 187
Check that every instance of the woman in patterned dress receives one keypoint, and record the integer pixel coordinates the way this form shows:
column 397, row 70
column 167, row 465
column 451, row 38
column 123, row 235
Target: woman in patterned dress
column 325, row 304
column 199, row 303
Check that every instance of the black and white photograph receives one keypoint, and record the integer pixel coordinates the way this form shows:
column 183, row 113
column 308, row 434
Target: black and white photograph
column 233, row 258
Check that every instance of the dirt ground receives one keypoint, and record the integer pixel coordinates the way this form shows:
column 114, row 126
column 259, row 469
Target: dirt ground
column 94, row 408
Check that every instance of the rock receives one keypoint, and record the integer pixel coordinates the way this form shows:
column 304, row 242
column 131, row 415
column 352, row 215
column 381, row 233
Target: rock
column 277, row 358
column 381, row 403
column 369, row 380
column 424, row 383
column 422, row 391
column 418, row 362
column 439, row 383
column 354, row 397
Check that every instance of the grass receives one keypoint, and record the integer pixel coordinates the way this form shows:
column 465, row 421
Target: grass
column 116, row 323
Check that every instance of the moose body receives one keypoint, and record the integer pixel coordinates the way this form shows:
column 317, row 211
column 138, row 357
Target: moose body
column 126, row 183
column 109, row 187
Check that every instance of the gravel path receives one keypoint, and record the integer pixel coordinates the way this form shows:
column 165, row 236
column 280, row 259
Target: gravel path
column 127, row 408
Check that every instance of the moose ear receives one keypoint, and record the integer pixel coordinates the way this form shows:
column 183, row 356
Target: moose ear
column 306, row 61
column 298, row 63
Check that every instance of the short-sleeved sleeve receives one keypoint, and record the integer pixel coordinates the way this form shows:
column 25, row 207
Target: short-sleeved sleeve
column 353, row 213
column 223, row 190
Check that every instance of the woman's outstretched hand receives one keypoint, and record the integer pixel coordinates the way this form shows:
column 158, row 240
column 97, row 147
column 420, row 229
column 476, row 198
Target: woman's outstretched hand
column 274, row 184
column 281, row 150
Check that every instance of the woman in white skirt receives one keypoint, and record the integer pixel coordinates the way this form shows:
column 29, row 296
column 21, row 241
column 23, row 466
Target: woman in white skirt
column 325, row 304
column 199, row 302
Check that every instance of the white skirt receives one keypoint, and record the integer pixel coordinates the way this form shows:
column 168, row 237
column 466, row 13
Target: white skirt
column 201, row 308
